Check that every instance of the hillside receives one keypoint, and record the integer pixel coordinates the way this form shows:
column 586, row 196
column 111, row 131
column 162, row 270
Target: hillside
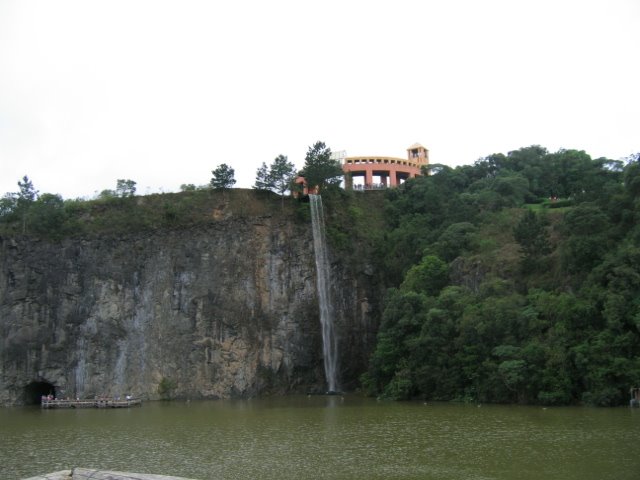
column 512, row 280
column 515, row 280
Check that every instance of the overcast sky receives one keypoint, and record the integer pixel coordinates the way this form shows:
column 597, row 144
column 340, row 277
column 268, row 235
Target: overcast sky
column 161, row 92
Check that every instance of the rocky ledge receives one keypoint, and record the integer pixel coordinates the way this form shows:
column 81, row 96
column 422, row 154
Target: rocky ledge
column 87, row 473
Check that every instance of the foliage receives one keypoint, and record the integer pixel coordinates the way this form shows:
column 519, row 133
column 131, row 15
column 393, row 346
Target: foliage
column 47, row 215
column 587, row 229
column 223, row 177
column 107, row 194
column 427, row 277
column 454, row 240
column 263, row 182
column 51, row 217
column 354, row 222
column 282, row 174
column 511, row 280
column 278, row 177
column 27, row 192
column 320, row 170
column 125, row 188
column 166, row 388
column 16, row 205
column 535, row 306
column 533, row 238
column 8, row 204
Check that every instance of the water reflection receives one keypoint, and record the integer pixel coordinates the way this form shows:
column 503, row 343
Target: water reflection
column 325, row 437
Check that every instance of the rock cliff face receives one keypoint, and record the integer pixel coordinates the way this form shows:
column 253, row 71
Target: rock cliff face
column 227, row 308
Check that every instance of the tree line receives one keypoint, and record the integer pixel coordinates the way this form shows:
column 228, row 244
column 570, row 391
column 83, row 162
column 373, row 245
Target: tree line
column 26, row 211
column 515, row 279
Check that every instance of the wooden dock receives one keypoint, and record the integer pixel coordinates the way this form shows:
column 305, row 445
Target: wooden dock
column 99, row 403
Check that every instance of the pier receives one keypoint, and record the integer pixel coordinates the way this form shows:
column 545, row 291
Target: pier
column 98, row 403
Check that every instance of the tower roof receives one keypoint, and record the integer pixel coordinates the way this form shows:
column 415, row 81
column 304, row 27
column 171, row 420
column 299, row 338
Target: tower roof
column 416, row 145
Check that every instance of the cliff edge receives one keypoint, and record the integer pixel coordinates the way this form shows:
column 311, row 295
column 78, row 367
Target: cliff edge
column 215, row 309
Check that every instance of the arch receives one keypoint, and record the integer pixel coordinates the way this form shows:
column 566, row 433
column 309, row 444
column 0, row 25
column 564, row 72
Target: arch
column 34, row 391
column 374, row 172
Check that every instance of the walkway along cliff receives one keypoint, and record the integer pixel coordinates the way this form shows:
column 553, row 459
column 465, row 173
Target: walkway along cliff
column 224, row 307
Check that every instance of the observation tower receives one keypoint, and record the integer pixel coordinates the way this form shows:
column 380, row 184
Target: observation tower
column 367, row 173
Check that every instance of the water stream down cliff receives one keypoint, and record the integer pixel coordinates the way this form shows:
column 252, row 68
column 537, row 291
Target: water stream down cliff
column 329, row 339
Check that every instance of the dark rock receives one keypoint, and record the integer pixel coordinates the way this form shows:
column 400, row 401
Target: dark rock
column 224, row 309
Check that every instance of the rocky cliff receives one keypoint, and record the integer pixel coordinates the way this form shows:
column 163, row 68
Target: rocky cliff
column 221, row 308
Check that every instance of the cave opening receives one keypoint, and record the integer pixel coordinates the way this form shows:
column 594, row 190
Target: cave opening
column 35, row 390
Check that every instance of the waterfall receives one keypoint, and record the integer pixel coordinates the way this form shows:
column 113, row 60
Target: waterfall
column 329, row 339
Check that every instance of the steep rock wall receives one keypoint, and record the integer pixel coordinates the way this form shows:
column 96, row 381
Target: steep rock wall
column 218, row 310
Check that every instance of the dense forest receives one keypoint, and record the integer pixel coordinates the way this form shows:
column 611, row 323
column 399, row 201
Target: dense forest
column 516, row 279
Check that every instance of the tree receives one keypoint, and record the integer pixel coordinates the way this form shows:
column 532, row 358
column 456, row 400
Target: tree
column 320, row 170
column 24, row 198
column 263, row 181
column 632, row 175
column 282, row 172
column 107, row 194
column 531, row 233
column 587, row 228
column 223, row 177
column 27, row 192
column 402, row 319
column 47, row 215
column 428, row 277
column 8, row 206
column 454, row 240
column 278, row 177
column 125, row 188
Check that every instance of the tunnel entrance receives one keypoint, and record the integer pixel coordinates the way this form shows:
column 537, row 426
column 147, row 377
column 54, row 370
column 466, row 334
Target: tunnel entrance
column 35, row 390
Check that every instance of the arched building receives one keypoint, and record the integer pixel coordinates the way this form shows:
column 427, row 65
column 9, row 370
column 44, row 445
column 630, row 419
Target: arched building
column 383, row 172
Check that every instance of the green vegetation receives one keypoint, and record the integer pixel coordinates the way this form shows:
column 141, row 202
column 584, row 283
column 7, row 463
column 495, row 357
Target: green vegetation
column 15, row 206
column 166, row 388
column 354, row 224
column 277, row 177
column 515, row 279
column 496, row 301
column 49, row 216
column 320, row 170
column 223, row 177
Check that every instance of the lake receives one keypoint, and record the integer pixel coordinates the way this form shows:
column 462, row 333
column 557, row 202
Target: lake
column 329, row 437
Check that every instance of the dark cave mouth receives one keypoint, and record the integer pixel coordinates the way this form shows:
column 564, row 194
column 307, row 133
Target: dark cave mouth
column 35, row 390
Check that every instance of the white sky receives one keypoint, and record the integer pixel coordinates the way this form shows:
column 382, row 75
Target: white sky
column 161, row 92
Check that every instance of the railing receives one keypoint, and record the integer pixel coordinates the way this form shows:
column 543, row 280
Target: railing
column 373, row 186
column 383, row 161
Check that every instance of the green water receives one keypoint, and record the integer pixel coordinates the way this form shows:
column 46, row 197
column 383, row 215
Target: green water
column 326, row 437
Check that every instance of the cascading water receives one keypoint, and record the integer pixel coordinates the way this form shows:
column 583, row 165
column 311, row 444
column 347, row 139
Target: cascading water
column 329, row 339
